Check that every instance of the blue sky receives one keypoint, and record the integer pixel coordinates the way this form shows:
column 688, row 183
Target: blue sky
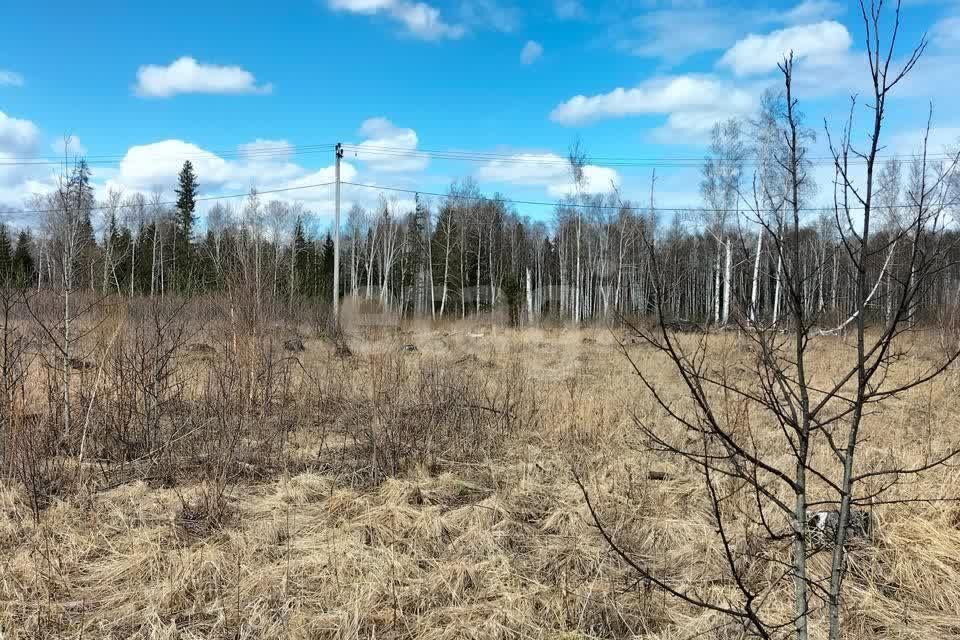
column 150, row 85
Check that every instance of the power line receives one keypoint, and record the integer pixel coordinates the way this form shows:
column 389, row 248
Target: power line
column 545, row 158
column 268, row 152
column 575, row 205
column 167, row 204
column 260, row 153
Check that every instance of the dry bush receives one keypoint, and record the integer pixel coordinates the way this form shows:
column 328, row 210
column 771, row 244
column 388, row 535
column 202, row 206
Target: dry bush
column 413, row 412
column 35, row 461
column 143, row 388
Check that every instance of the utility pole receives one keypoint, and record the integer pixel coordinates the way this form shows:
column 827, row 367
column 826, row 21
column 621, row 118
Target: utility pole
column 336, row 241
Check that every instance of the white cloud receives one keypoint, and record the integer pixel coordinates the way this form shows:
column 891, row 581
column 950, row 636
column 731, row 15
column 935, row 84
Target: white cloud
column 265, row 150
column 547, row 170
column 941, row 140
column 418, row 18
column 186, row 75
column 691, row 102
column 682, row 29
column 262, row 163
column 531, row 52
column 156, row 165
column 387, row 147
column 819, row 44
column 17, row 136
column 10, row 78
column 69, row 147
column 18, row 140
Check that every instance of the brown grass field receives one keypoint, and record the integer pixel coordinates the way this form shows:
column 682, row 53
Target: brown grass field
column 428, row 494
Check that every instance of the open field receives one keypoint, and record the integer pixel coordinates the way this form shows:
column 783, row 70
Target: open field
column 423, row 493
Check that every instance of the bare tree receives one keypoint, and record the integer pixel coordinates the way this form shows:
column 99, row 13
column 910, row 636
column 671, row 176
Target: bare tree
column 777, row 450
column 278, row 221
column 577, row 158
column 720, row 187
column 66, row 221
column 135, row 214
column 111, row 211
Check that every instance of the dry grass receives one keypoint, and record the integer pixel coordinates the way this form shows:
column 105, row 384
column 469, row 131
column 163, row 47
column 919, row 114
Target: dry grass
column 481, row 534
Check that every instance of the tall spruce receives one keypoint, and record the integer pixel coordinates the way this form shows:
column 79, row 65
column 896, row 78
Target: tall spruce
column 186, row 205
column 6, row 253
column 22, row 264
column 79, row 205
column 300, row 268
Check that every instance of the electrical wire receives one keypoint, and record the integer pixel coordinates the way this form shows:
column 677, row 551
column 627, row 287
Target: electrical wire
column 365, row 149
column 698, row 211
column 549, row 158
column 259, row 153
column 687, row 212
column 168, row 204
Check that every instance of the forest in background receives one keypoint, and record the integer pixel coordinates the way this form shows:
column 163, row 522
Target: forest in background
column 466, row 252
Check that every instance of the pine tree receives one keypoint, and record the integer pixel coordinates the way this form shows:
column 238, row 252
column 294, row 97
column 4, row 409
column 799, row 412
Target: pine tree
column 413, row 278
column 6, row 252
column 186, row 205
column 22, row 263
column 122, row 240
column 326, row 269
column 300, row 262
column 82, row 201
column 206, row 264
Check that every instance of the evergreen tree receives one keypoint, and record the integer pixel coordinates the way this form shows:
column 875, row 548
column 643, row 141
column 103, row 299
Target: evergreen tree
column 326, row 269
column 144, row 267
column 6, row 254
column 81, row 201
column 186, row 205
column 122, row 240
column 415, row 262
column 78, row 205
column 206, row 263
column 301, row 264
column 513, row 292
column 22, row 263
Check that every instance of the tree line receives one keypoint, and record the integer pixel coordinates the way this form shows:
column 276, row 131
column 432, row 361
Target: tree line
column 467, row 253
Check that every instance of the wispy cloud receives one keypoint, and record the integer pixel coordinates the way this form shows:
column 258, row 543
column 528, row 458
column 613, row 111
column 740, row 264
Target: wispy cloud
column 10, row 78
column 568, row 9
column 683, row 29
column 692, row 103
column 945, row 34
column 489, row 14
column 531, row 52
column 813, row 11
column 418, row 19
column 547, row 170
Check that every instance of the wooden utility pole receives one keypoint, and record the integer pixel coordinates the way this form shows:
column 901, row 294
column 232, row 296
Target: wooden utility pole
column 336, row 240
